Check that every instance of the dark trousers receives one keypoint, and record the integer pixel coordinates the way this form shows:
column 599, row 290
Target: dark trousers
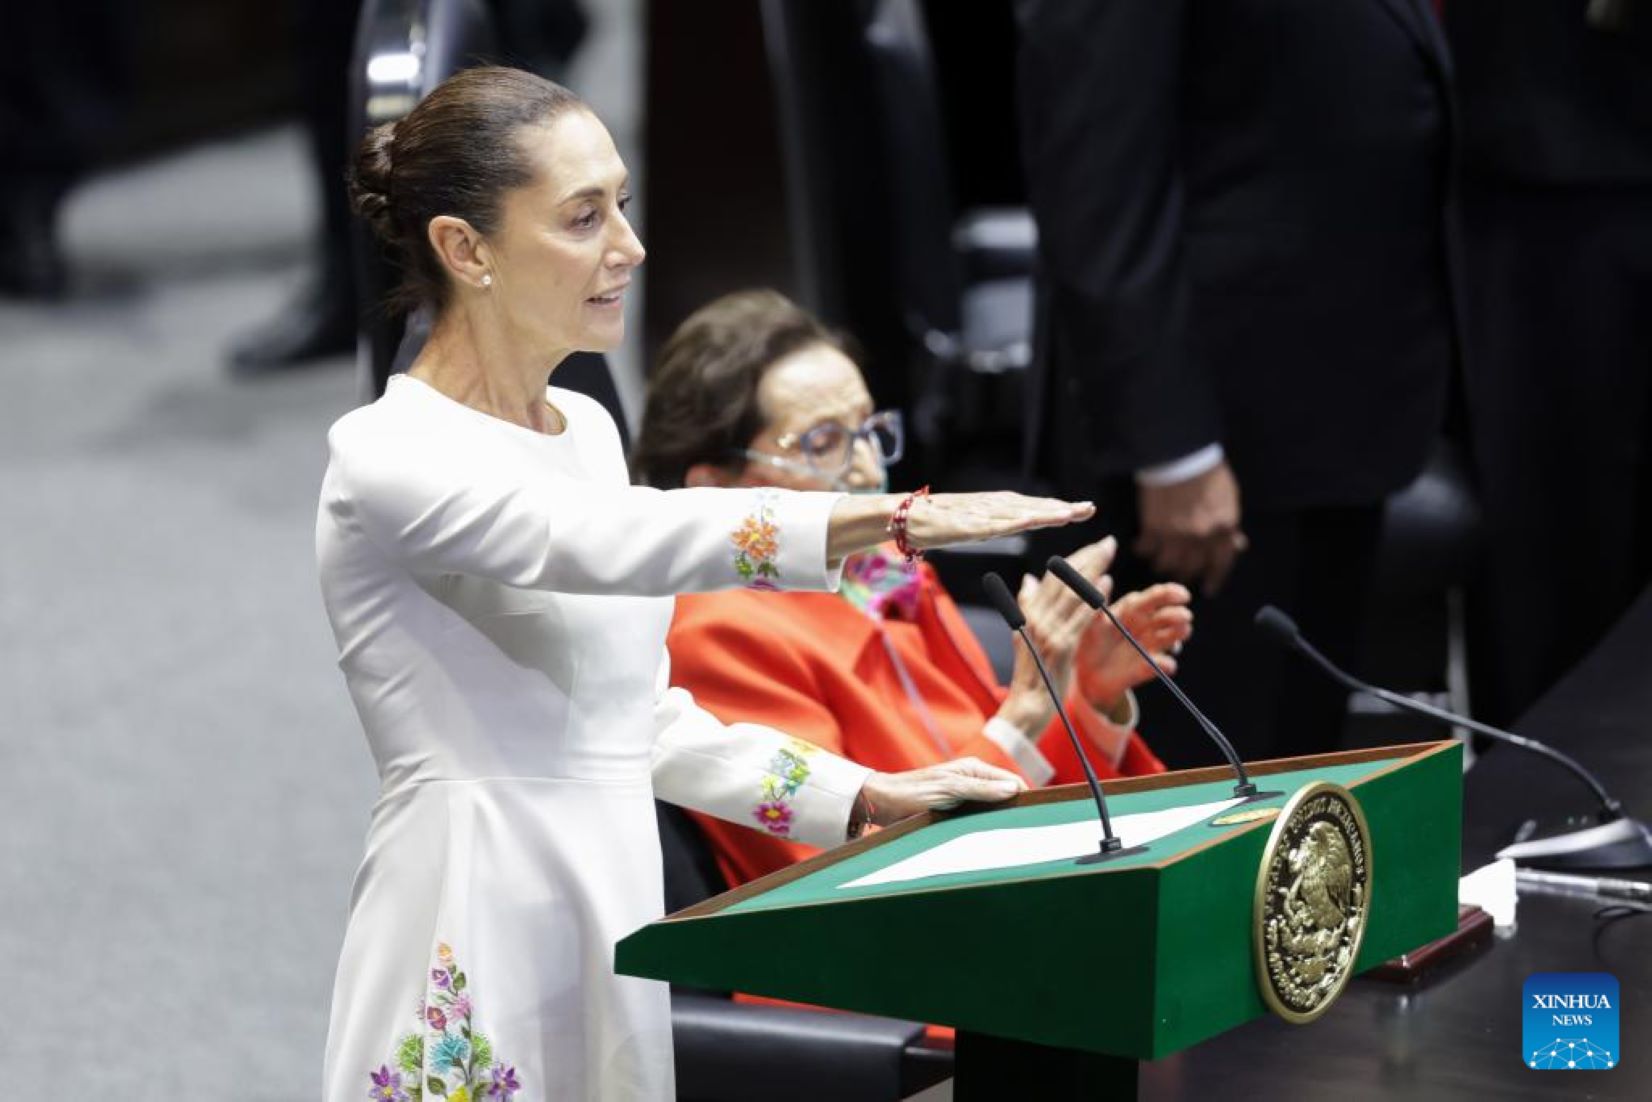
column 1560, row 406
column 327, row 29
column 62, row 85
column 1317, row 565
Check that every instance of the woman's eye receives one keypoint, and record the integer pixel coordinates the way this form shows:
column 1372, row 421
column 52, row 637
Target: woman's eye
column 586, row 220
column 826, row 437
column 624, row 201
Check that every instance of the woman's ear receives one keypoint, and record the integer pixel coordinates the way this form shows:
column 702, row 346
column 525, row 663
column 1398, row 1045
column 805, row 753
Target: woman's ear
column 460, row 249
column 707, row 474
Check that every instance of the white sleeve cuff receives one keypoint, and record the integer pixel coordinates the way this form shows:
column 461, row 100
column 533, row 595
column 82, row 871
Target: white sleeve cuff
column 803, row 520
column 1013, row 741
column 1180, row 470
column 1131, row 719
column 822, row 806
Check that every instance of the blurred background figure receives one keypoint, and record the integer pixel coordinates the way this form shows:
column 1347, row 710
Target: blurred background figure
column 1557, row 202
column 322, row 317
column 1246, row 311
column 62, row 89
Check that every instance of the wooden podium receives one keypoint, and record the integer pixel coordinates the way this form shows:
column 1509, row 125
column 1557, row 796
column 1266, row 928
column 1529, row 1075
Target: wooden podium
column 1067, row 972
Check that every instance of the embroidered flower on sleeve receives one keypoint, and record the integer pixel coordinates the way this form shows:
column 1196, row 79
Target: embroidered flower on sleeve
column 757, row 545
column 775, row 816
column 446, row 1058
column 786, row 773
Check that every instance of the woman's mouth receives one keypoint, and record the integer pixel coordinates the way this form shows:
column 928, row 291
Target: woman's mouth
column 612, row 298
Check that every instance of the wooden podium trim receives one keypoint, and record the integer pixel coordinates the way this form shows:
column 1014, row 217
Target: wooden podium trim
column 1401, row 754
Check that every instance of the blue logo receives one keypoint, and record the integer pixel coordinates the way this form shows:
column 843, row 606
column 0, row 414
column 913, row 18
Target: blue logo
column 1570, row 1021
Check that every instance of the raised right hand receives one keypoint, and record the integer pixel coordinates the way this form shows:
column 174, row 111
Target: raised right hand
column 944, row 519
column 862, row 521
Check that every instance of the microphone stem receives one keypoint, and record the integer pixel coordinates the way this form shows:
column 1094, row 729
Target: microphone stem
column 1210, row 728
column 1078, row 749
column 1612, row 808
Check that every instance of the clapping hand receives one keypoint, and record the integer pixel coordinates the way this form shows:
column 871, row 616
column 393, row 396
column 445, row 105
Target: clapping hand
column 1107, row 665
column 1057, row 621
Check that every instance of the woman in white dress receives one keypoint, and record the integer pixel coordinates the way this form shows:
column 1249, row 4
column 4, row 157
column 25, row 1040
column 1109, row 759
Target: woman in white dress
column 500, row 596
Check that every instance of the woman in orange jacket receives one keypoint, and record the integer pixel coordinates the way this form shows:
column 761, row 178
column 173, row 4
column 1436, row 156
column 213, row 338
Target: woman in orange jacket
column 751, row 391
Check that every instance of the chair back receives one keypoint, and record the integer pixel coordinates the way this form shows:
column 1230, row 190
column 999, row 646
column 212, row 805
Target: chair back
column 691, row 873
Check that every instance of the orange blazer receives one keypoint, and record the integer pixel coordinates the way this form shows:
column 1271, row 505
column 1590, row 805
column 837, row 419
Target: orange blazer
column 816, row 667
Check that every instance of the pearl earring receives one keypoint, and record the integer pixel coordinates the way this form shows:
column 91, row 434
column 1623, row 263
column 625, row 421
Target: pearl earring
column 487, row 279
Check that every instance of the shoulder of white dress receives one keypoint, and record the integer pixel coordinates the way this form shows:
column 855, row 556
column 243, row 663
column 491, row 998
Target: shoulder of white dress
column 379, row 433
column 582, row 409
column 346, row 432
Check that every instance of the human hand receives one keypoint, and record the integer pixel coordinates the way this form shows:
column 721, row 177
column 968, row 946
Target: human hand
column 1190, row 529
column 940, row 520
column 1057, row 619
column 860, row 521
column 896, row 796
column 1107, row 665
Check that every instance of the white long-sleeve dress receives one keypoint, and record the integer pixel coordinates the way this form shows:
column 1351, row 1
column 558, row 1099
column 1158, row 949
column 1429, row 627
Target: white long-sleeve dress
column 500, row 598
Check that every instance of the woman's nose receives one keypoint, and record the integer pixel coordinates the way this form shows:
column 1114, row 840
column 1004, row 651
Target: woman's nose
column 865, row 467
column 627, row 250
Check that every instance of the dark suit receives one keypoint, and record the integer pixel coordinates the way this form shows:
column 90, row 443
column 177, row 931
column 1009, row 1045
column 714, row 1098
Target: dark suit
column 1557, row 205
column 1243, row 215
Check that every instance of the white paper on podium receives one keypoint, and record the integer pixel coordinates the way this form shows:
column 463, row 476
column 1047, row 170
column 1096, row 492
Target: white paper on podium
column 1002, row 849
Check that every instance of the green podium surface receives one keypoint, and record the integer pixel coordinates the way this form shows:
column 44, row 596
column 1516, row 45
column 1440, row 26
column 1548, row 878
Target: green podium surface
column 1135, row 957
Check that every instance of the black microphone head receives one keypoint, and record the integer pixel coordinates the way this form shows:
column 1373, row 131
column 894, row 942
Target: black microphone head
column 1077, row 582
column 1002, row 600
column 1276, row 624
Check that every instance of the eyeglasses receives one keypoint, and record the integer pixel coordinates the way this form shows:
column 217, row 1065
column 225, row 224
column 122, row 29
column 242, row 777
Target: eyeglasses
column 828, row 449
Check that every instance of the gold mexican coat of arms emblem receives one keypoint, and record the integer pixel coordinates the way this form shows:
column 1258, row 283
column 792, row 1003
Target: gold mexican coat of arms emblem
column 1313, row 901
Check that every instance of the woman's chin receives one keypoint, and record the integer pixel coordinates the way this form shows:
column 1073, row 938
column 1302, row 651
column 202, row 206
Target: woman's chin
column 603, row 338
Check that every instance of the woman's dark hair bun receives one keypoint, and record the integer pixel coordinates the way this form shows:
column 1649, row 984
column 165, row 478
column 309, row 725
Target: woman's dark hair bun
column 370, row 182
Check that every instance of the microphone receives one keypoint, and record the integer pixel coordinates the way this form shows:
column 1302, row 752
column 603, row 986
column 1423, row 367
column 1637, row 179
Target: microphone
column 1078, row 583
column 999, row 594
column 1618, row 841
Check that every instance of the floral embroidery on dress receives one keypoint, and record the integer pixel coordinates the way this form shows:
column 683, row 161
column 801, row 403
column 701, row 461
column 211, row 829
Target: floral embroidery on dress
column 445, row 1059
column 882, row 585
column 757, row 545
column 787, row 771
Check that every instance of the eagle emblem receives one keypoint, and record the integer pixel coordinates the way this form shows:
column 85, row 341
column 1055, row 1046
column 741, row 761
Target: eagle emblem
column 1312, row 901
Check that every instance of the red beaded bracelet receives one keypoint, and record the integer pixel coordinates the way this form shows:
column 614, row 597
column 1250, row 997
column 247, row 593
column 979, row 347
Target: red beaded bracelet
column 897, row 526
column 861, row 815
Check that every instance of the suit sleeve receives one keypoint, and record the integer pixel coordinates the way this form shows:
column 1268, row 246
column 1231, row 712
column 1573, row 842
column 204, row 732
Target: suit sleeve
column 1099, row 91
